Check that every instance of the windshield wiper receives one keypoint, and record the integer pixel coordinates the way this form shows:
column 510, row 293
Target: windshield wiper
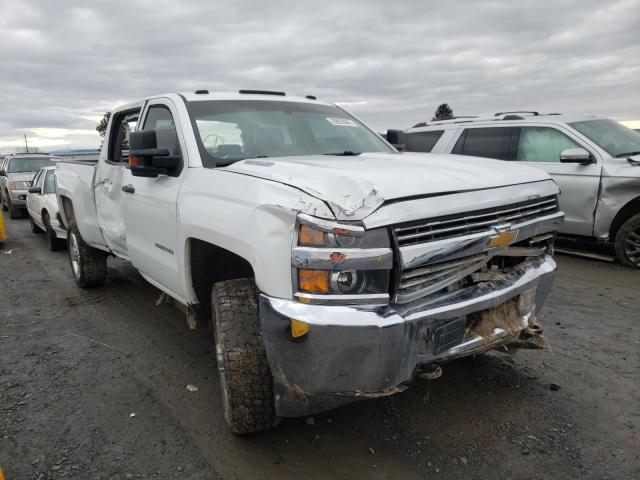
column 627, row 154
column 346, row 153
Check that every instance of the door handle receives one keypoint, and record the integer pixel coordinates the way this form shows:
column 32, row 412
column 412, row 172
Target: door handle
column 128, row 189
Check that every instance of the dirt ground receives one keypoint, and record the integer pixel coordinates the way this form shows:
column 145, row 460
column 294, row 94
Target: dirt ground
column 92, row 386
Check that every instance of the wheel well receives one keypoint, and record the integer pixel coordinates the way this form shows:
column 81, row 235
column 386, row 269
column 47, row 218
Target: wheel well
column 67, row 210
column 626, row 212
column 210, row 264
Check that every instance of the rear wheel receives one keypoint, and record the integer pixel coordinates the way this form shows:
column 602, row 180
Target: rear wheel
column 88, row 265
column 34, row 228
column 245, row 376
column 14, row 212
column 54, row 242
column 628, row 242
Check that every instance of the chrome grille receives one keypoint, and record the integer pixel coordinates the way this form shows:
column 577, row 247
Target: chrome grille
column 474, row 222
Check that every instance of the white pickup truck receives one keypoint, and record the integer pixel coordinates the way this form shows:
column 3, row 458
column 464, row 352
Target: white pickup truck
column 332, row 267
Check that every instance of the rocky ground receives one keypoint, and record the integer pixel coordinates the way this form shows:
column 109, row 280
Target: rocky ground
column 93, row 385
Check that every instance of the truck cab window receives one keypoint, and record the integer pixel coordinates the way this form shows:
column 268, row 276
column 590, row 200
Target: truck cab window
column 123, row 124
column 159, row 118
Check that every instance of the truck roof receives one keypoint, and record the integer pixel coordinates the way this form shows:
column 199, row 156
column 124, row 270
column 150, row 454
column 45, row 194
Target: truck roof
column 204, row 95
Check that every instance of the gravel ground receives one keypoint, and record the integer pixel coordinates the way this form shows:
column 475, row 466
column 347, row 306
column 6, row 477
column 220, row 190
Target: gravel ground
column 93, row 385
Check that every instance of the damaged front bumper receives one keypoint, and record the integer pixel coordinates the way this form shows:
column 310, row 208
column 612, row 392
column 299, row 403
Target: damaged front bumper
column 357, row 352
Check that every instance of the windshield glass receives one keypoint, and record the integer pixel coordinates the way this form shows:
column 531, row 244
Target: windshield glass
column 231, row 130
column 611, row 136
column 27, row 164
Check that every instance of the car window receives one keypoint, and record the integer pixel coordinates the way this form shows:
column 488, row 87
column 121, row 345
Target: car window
column 36, row 179
column 490, row 142
column 611, row 136
column 422, row 141
column 159, row 118
column 542, row 144
column 27, row 164
column 123, row 124
column 49, row 182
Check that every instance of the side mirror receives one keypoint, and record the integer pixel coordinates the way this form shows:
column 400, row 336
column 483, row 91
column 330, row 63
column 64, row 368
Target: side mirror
column 37, row 190
column 576, row 155
column 396, row 138
column 146, row 159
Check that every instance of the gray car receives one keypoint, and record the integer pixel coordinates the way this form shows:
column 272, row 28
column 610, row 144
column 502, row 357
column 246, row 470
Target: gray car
column 16, row 173
column 594, row 161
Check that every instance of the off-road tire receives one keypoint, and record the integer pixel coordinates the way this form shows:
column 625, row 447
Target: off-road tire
column 34, row 228
column 13, row 211
column 54, row 242
column 627, row 238
column 245, row 376
column 90, row 269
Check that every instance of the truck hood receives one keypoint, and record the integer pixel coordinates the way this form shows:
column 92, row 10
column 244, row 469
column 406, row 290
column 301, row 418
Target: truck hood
column 355, row 186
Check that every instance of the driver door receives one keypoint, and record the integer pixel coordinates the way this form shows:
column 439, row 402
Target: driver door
column 150, row 205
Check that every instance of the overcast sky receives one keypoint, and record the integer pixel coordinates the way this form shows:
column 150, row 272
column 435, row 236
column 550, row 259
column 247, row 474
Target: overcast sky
column 63, row 64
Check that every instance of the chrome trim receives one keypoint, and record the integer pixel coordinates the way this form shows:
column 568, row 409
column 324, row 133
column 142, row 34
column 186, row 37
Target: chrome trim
column 330, row 226
column 384, row 316
column 415, row 255
column 360, row 299
column 319, row 258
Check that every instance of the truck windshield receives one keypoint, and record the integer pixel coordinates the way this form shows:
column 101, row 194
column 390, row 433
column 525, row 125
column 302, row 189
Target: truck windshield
column 27, row 164
column 232, row 130
column 614, row 138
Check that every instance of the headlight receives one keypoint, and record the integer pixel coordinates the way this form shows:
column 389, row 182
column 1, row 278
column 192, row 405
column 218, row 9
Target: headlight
column 18, row 185
column 340, row 263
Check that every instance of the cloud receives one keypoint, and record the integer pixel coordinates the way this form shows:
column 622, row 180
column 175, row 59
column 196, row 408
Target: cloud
column 65, row 63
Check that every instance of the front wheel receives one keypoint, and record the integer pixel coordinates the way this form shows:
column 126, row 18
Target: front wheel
column 628, row 242
column 245, row 376
column 88, row 264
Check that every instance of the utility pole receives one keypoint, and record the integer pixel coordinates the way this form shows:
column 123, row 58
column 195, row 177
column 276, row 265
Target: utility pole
column 26, row 145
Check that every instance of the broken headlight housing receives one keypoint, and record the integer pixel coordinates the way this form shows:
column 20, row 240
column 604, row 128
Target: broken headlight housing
column 340, row 263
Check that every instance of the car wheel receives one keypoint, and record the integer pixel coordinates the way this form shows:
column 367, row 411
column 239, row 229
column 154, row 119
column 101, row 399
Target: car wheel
column 34, row 228
column 54, row 242
column 245, row 376
column 628, row 242
column 4, row 204
column 88, row 265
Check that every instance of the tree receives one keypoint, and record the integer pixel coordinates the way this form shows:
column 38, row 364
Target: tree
column 443, row 112
column 102, row 125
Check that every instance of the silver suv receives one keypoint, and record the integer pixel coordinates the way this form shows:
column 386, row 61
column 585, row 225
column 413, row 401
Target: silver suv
column 594, row 161
column 16, row 173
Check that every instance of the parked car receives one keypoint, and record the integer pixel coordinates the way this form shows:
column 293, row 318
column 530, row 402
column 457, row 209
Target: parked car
column 332, row 267
column 42, row 206
column 594, row 161
column 16, row 173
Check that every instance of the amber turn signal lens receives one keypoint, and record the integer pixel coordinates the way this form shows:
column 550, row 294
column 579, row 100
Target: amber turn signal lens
column 309, row 236
column 313, row 281
column 298, row 328
column 133, row 161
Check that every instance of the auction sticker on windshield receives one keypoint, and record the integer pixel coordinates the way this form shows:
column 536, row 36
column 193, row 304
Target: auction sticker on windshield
column 342, row 122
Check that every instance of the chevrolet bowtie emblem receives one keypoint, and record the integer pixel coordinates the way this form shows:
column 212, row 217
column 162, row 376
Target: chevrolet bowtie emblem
column 504, row 238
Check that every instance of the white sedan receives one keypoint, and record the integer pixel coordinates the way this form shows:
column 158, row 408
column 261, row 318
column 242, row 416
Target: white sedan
column 42, row 206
